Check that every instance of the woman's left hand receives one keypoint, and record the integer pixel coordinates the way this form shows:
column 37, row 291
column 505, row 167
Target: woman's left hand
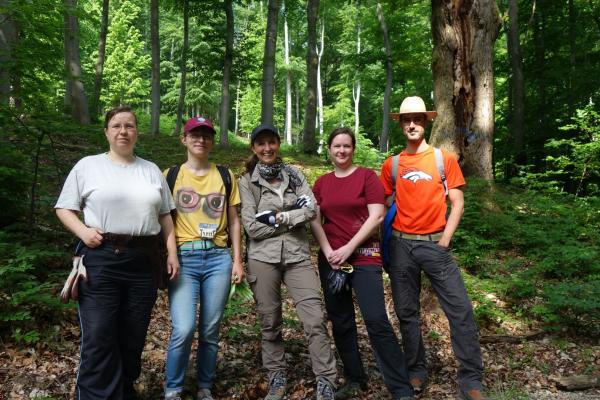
column 172, row 266
column 237, row 273
column 340, row 255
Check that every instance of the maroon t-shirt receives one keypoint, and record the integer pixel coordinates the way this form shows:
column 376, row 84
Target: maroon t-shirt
column 343, row 204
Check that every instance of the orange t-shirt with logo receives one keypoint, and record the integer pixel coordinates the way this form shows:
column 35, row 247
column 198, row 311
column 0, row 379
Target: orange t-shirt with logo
column 420, row 198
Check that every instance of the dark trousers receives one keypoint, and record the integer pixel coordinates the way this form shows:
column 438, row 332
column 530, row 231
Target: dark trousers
column 367, row 282
column 115, row 305
column 407, row 259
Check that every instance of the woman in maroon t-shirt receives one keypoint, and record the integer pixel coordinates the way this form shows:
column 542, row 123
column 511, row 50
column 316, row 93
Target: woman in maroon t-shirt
column 351, row 208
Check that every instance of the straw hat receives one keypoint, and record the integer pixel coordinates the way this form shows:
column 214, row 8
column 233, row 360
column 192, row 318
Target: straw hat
column 413, row 105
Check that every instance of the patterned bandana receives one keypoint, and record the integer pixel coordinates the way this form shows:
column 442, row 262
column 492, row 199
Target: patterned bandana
column 270, row 171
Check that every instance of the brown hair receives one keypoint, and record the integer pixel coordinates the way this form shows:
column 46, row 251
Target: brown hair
column 117, row 110
column 341, row 131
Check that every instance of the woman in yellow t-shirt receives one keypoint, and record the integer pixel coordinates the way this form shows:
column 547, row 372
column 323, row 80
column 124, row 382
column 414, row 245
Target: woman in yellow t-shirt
column 205, row 218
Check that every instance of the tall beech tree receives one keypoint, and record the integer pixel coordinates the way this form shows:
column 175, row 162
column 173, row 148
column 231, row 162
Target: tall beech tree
column 312, row 61
column 75, row 98
column 268, row 75
column 155, row 48
column 464, row 33
column 389, row 71
column 184, row 51
column 8, row 35
column 95, row 101
column 227, row 62
column 517, row 94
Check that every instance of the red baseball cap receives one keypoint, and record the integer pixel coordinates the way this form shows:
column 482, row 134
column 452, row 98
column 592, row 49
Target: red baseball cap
column 197, row 122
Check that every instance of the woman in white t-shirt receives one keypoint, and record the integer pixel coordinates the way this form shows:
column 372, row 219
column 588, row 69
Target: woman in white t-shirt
column 125, row 202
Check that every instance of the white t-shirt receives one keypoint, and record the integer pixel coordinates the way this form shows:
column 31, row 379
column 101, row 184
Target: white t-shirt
column 124, row 199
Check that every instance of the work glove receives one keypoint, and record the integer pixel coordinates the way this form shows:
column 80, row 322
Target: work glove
column 71, row 288
column 302, row 201
column 267, row 218
column 337, row 281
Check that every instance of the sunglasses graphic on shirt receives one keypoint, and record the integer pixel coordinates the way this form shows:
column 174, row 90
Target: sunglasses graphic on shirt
column 187, row 201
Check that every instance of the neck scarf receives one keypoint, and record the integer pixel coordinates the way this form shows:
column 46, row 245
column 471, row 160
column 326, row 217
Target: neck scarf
column 270, row 171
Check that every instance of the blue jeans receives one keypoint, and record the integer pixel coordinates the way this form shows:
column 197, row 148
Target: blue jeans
column 205, row 276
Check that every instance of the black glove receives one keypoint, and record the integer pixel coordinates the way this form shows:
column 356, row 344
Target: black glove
column 267, row 217
column 337, row 281
column 302, row 201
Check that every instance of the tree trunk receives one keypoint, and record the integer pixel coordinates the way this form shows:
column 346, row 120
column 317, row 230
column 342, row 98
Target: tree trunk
column 464, row 32
column 181, row 104
column 310, row 111
column 155, row 95
column 95, row 103
column 517, row 117
column 268, row 78
column 540, row 73
column 572, row 51
column 224, row 114
column 320, row 88
column 356, row 87
column 288, row 84
column 237, row 109
column 76, row 99
column 383, row 140
column 8, row 35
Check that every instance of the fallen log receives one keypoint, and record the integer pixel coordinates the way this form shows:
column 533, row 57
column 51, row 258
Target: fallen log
column 509, row 338
column 577, row 382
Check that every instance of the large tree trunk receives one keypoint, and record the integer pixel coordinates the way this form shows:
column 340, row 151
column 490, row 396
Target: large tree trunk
column 383, row 140
column 94, row 107
column 224, row 114
column 310, row 111
column 540, row 74
column 320, row 87
column 155, row 95
column 288, row 84
column 268, row 78
column 181, row 104
column 75, row 95
column 8, row 35
column 356, row 86
column 464, row 33
column 572, row 51
column 237, row 109
column 517, row 117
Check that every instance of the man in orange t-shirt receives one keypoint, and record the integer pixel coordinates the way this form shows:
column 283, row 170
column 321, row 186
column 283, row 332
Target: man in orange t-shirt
column 422, row 230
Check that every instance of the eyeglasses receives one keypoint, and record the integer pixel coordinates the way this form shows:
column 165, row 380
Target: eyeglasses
column 189, row 201
column 207, row 137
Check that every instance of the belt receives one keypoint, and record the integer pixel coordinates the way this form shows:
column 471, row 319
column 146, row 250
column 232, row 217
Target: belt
column 429, row 237
column 198, row 245
column 122, row 242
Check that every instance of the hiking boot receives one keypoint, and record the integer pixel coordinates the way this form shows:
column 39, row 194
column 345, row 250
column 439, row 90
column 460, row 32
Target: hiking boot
column 350, row 390
column 173, row 396
column 276, row 387
column 418, row 385
column 325, row 390
column 204, row 394
column 473, row 394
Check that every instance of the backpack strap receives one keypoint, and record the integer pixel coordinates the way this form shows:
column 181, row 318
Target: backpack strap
column 226, row 177
column 392, row 198
column 439, row 163
column 171, row 178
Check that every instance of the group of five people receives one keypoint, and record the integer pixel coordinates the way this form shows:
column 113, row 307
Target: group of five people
column 127, row 202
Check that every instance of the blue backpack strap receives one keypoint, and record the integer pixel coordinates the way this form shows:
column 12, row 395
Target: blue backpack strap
column 390, row 215
column 392, row 198
column 439, row 163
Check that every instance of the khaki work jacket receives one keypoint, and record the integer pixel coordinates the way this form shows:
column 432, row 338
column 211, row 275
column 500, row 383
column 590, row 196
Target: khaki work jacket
column 285, row 243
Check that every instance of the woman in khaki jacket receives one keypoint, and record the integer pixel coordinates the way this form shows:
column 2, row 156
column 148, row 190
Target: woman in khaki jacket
column 276, row 204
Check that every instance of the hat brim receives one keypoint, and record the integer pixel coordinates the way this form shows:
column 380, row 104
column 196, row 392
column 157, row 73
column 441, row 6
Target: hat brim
column 429, row 114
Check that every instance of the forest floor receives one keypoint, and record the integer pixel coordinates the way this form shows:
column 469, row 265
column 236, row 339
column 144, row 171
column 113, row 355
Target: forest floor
column 526, row 369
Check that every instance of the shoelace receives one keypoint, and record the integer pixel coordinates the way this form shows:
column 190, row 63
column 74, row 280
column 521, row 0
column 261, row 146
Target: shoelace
column 277, row 382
